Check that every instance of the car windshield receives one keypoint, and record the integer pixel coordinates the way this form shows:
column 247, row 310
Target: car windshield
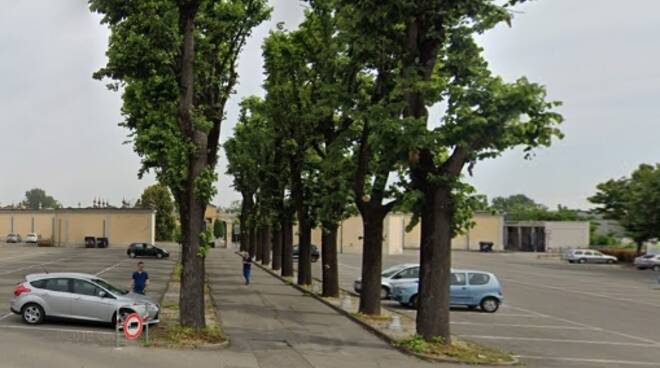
column 392, row 270
column 111, row 288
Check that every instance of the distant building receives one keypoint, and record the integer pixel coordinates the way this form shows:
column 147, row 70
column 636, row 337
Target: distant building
column 68, row 227
column 545, row 236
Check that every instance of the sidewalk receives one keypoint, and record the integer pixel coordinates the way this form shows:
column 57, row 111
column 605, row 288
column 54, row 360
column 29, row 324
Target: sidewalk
column 276, row 326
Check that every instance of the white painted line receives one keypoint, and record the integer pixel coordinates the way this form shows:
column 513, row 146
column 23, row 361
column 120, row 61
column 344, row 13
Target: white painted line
column 564, row 341
column 622, row 334
column 503, row 315
column 580, row 292
column 553, row 327
column 36, row 265
column 109, row 268
column 6, row 315
column 51, row 329
column 586, row 360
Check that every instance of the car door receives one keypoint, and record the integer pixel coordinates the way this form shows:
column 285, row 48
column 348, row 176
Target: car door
column 58, row 297
column 88, row 304
column 478, row 287
column 405, row 276
column 458, row 289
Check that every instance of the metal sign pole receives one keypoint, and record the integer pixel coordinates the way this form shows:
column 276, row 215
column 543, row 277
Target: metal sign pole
column 117, row 328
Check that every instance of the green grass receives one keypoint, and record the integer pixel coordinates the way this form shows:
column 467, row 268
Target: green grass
column 177, row 336
column 461, row 350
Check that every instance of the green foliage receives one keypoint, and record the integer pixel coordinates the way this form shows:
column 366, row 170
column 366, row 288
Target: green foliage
column 633, row 201
column 158, row 197
column 218, row 229
column 519, row 207
column 206, row 242
column 37, row 198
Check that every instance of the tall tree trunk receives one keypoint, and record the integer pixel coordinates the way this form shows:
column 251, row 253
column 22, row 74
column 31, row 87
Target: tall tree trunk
column 252, row 236
column 304, row 251
column 372, row 261
column 329, row 261
column 277, row 248
column 287, row 247
column 259, row 239
column 435, row 261
column 191, row 300
column 244, row 227
column 266, row 246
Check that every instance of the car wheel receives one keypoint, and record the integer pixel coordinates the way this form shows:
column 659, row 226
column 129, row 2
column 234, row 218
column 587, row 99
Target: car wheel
column 33, row 314
column 131, row 254
column 159, row 255
column 413, row 302
column 582, row 260
column 571, row 261
column 384, row 292
column 490, row 305
column 656, row 268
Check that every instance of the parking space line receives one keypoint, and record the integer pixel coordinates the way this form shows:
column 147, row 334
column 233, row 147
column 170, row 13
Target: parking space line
column 622, row 334
column 565, row 341
column 53, row 329
column 109, row 268
column 6, row 315
column 588, row 360
column 554, row 327
column 36, row 265
column 347, row 266
column 624, row 300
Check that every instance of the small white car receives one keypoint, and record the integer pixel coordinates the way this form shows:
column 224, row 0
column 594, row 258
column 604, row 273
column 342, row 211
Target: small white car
column 391, row 277
column 588, row 256
column 31, row 238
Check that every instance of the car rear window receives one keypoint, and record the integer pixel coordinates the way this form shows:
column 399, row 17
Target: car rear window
column 58, row 285
column 478, row 278
column 39, row 284
column 579, row 252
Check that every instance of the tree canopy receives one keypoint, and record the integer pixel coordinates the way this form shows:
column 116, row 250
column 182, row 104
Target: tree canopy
column 37, row 199
column 634, row 202
column 158, row 197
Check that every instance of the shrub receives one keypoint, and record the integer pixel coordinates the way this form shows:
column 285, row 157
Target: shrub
column 625, row 255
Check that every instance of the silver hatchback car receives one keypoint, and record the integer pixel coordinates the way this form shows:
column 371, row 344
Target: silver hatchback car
column 77, row 296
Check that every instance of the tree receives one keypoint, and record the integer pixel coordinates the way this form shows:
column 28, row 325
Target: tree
column 519, row 207
column 218, row 229
column 158, row 197
column 423, row 53
column 176, row 63
column 634, row 202
column 37, row 199
column 514, row 204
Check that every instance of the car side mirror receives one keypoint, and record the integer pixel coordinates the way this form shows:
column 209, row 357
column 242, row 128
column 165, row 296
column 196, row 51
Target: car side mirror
column 102, row 294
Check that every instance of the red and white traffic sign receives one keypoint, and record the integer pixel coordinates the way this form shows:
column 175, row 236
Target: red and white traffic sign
column 133, row 326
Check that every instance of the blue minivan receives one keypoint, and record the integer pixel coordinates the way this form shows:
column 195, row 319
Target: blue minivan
column 470, row 288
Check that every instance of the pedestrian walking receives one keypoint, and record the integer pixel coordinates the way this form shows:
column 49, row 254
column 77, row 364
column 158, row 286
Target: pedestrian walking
column 247, row 267
column 140, row 279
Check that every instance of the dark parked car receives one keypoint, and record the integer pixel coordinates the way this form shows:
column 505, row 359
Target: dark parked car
column 146, row 250
column 315, row 252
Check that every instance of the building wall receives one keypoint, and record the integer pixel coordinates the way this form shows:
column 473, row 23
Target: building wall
column 566, row 234
column 395, row 239
column 69, row 227
column 487, row 228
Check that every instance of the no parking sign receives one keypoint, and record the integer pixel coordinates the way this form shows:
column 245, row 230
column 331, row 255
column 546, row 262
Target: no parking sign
column 133, row 326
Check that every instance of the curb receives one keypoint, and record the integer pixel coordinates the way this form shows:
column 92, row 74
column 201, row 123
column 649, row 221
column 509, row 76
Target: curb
column 390, row 341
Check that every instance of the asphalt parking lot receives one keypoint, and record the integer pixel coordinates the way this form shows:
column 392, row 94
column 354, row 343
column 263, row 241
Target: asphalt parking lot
column 555, row 314
column 112, row 264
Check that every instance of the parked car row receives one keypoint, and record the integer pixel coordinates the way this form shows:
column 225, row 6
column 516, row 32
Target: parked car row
column 471, row 288
column 16, row 238
column 643, row 262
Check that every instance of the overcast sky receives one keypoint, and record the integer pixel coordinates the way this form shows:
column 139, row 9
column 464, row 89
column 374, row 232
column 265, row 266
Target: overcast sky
column 59, row 126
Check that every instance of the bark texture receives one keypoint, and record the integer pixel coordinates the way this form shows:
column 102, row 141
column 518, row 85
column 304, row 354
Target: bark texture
column 329, row 261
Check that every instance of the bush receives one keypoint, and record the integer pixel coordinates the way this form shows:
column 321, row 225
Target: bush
column 625, row 255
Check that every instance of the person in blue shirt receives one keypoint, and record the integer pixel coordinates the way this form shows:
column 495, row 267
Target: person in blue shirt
column 140, row 279
column 247, row 267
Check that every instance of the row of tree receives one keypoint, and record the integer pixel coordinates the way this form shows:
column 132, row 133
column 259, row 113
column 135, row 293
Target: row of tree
column 344, row 127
